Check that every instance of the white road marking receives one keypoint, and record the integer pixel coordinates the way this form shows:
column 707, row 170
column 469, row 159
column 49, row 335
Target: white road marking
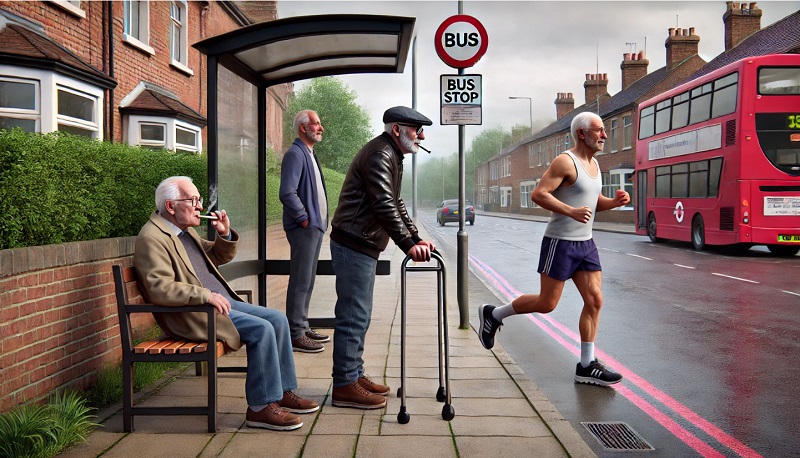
column 735, row 278
column 685, row 267
column 790, row 292
column 637, row 256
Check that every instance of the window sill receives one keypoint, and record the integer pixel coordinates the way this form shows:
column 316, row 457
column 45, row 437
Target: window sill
column 70, row 8
column 181, row 68
column 134, row 43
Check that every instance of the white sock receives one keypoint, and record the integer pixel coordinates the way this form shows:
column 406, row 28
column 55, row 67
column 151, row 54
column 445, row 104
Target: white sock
column 587, row 353
column 258, row 408
column 502, row 312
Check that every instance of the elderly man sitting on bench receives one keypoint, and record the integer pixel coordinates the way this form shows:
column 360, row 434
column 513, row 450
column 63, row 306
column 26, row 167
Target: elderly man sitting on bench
column 177, row 267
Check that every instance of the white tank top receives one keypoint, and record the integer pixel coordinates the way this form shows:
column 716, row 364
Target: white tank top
column 583, row 193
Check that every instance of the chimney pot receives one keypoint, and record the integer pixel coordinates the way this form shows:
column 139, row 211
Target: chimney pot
column 570, row 95
column 691, row 31
column 626, row 56
column 641, row 55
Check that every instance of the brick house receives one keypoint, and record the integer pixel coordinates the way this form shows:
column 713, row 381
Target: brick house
column 509, row 176
column 122, row 71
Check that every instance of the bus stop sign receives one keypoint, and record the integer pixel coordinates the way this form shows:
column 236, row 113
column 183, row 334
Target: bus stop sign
column 461, row 41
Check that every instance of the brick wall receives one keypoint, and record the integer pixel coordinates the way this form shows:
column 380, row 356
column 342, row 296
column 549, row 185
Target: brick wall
column 58, row 316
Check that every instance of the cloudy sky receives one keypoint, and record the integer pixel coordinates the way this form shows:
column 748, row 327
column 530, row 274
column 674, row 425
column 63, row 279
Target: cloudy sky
column 536, row 49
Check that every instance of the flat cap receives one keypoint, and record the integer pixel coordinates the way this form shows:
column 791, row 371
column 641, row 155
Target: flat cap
column 405, row 115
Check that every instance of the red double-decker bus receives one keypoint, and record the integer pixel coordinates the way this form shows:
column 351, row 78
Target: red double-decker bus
column 718, row 158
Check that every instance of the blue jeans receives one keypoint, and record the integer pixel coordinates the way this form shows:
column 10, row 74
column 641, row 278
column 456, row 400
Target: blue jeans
column 355, row 281
column 270, row 364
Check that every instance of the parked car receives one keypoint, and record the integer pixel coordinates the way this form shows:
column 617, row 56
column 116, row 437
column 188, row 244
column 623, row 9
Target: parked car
column 448, row 212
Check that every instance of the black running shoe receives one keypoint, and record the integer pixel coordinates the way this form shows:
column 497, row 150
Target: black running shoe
column 489, row 325
column 596, row 374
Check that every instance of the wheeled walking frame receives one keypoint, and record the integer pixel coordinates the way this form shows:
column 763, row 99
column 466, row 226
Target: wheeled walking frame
column 443, row 394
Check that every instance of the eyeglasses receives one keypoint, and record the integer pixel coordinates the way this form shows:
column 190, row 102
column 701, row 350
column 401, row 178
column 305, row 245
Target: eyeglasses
column 194, row 200
column 419, row 128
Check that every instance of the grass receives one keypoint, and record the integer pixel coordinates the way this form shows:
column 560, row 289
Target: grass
column 42, row 431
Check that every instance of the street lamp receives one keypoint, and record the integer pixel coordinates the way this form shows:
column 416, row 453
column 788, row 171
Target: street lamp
column 530, row 105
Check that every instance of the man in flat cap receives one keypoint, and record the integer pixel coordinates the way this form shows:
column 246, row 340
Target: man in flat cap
column 370, row 212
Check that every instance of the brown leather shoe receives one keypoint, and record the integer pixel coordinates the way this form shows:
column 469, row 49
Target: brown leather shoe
column 355, row 396
column 274, row 418
column 373, row 387
column 291, row 402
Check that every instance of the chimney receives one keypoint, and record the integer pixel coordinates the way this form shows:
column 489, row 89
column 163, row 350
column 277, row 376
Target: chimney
column 741, row 21
column 633, row 66
column 564, row 104
column 681, row 44
column 596, row 86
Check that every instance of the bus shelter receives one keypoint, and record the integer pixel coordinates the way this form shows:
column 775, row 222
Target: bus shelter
column 242, row 64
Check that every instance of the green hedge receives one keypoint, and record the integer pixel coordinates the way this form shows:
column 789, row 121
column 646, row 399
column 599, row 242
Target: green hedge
column 57, row 187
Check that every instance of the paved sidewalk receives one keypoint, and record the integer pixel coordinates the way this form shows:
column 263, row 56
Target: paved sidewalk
column 498, row 410
column 597, row 225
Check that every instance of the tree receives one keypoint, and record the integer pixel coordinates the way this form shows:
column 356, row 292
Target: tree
column 347, row 124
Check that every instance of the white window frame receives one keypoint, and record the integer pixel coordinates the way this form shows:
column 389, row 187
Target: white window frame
column 494, row 195
column 611, row 189
column 505, row 196
column 132, row 132
column 613, row 134
column 23, row 113
column 539, row 154
column 525, row 188
column 566, row 141
column 494, row 170
column 71, row 6
column 49, row 84
column 140, row 38
column 181, row 28
column 505, row 166
column 531, row 156
column 627, row 132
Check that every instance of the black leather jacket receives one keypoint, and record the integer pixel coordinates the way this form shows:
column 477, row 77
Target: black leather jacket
column 370, row 209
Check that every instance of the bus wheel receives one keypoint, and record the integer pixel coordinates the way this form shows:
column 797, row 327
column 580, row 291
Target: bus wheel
column 783, row 250
column 652, row 228
column 698, row 233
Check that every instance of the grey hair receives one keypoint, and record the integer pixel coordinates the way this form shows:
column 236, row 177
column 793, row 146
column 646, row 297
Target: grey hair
column 168, row 190
column 388, row 127
column 303, row 117
column 582, row 121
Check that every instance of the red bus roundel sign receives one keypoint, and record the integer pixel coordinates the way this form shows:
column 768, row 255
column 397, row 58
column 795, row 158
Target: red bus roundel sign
column 461, row 41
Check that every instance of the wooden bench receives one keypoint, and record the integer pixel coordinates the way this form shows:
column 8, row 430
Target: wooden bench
column 164, row 350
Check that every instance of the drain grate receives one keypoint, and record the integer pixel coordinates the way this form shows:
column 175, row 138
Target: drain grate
column 616, row 435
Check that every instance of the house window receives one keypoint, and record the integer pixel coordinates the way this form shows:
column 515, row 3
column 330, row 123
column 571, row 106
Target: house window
column 539, row 154
column 613, row 135
column 494, row 195
column 19, row 104
column 531, row 155
column 549, row 152
column 161, row 132
column 566, row 142
column 525, row 188
column 136, row 24
column 178, row 38
column 76, row 113
column 494, row 170
column 506, row 166
column 627, row 131
column 505, row 196
column 618, row 179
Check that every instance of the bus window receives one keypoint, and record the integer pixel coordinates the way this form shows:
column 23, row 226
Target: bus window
column 680, row 110
column 700, row 108
column 662, row 181
column 647, row 123
column 714, row 172
column 779, row 80
column 680, row 180
column 725, row 90
column 698, row 179
column 663, row 114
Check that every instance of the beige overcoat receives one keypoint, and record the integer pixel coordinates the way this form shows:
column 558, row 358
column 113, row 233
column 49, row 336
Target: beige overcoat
column 168, row 278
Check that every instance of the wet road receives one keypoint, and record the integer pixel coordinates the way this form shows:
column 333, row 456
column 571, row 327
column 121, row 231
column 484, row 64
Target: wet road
column 706, row 341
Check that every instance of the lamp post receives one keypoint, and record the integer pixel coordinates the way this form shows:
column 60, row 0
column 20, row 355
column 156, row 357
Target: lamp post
column 530, row 106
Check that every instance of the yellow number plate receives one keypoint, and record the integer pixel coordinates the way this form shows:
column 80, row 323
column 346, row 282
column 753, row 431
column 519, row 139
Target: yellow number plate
column 455, row 212
column 789, row 238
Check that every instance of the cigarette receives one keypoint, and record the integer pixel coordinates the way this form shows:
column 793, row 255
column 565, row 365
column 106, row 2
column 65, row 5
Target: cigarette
column 424, row 149
column 211, row 217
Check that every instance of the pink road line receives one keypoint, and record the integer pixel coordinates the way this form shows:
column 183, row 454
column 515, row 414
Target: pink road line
column 503, row 286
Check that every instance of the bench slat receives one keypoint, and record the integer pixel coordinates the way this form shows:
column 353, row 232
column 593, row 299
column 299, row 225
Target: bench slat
column 144, row 346
column 171, row 349
column 188, row 347
column 159, row 347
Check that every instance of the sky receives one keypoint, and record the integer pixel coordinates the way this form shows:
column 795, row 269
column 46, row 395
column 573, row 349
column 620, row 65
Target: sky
column 536, row 49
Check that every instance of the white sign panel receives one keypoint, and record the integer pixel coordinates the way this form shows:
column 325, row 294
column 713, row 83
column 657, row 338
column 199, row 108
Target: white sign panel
column 461, row 99
column 693, row 141
column 781, row 206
